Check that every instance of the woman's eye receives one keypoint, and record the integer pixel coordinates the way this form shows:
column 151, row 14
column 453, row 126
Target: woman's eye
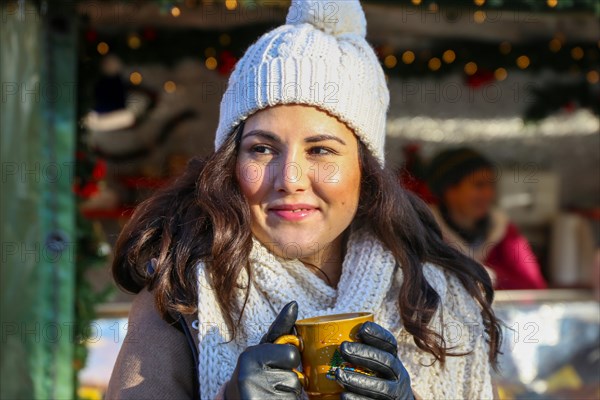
column 260, row 149
column 317, row 151
column 321, row 151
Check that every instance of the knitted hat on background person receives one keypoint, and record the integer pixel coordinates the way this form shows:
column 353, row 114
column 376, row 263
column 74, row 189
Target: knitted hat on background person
column 320, row 58
column 450, row 166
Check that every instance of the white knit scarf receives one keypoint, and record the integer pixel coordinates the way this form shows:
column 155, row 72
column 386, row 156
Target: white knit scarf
column 368, row 273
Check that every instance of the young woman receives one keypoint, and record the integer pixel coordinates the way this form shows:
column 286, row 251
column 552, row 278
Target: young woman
column 295, row 215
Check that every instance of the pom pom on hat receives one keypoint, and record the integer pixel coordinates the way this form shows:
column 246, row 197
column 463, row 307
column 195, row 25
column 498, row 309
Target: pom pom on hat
column 332, row 17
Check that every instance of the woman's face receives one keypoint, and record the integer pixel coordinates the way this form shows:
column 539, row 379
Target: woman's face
column 298, row 168
column 474, row 195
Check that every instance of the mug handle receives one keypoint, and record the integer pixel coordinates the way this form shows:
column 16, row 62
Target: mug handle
column 296, row 341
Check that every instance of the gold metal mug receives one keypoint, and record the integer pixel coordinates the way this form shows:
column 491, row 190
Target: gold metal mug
column 318, row 340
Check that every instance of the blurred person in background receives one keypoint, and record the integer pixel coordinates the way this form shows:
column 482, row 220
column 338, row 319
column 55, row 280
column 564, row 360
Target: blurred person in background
column 463, row 182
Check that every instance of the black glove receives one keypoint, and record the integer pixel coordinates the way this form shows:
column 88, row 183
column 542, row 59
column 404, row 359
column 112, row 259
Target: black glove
column 265, row 371
column 377, row 351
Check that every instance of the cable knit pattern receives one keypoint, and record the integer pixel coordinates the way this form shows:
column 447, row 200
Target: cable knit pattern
column 370, row 281
column 319, row 57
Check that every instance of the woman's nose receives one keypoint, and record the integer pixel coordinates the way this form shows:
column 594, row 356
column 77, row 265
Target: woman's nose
column 291, row 173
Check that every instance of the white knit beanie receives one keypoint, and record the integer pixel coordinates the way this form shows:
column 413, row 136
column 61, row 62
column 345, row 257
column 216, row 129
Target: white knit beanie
column 319, row 57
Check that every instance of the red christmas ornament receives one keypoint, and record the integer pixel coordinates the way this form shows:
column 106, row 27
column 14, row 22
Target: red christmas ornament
column 412, row 174
column 87, row 191
column 480, row 78
column 99, row 171
column 149, row 33
column 570, row 106
column 91, row 35
column 227, row 62
column 379, row 51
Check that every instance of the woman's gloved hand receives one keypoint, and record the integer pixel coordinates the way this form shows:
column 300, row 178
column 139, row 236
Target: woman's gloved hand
column 377, row 351
column 265, row 371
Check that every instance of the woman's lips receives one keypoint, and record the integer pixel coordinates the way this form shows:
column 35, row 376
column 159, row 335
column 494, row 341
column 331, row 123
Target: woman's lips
column 294, row 212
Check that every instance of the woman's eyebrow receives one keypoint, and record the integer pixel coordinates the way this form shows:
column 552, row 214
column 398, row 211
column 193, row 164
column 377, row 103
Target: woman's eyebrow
column 263, row 134
column 323, row 137
column 312, row 139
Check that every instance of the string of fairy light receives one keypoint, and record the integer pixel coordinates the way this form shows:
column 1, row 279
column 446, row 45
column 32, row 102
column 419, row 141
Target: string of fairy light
column 470, row 58
column 557, row 45
column 509, row 58
column 433, row 5
column 522, row 5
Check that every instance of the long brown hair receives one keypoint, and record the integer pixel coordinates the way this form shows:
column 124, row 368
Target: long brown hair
column 204, row 215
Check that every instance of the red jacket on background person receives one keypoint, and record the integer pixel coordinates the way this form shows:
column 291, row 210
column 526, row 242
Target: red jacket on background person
column 505, row 251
